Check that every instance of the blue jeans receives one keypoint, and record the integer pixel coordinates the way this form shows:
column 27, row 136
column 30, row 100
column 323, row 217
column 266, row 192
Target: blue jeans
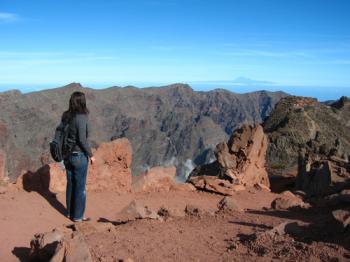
column 76, row 168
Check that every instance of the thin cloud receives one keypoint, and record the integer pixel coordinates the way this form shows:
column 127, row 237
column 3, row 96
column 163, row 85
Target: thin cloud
column 263, row 53
column 8, row 17
column 15, row 59
column 340, row 62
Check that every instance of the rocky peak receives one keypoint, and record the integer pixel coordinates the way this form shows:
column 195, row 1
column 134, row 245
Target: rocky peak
column 303, row 123
column 341, row 103
column 73, row 86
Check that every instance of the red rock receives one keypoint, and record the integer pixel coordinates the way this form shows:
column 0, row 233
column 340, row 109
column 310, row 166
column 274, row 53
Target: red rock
column 112, row 168
column 292, row 228
column 240, row 161
column 44, row 246
column 253, row 169
column 192, row 210
column 76, row 249
column 288, row 200
column 213, row 184
column 111, row 171
column 155, row 179
column 183, row 187
column 136, row 210
column 261, row 187
column 60, row 245
column 228, row 204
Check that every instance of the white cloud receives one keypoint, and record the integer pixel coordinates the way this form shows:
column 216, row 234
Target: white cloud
column 8, row 17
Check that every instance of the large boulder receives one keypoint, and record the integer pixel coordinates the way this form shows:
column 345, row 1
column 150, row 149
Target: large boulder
column 155, row 179
column 240, row 161
column 111, row 171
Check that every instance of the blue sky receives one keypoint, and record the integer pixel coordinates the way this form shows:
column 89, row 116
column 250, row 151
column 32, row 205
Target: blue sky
column 300, row 46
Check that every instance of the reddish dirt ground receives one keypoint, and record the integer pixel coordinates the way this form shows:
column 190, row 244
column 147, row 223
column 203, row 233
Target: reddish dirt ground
column 225, row 236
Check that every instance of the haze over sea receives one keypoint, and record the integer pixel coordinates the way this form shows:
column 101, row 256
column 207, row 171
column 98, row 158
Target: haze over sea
column 296, row 46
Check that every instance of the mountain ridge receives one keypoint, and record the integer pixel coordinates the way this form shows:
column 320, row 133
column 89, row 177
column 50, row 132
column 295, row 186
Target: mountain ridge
column 166, row 125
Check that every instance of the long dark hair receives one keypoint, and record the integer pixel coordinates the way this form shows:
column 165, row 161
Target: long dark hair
column 77, row 105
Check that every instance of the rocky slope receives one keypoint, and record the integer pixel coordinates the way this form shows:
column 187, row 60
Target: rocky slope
column 300, row 124
column 172, row 125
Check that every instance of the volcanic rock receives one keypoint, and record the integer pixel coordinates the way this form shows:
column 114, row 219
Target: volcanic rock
column 292, row 228
column 192, row 210
column 44, row 246
column 228, row 204
column 58, row 246
column 288, row 200
column 241, row 161
column 75, row 249
column 155, row 179
column 136, row 210
column 183, row 187
column 213, row 184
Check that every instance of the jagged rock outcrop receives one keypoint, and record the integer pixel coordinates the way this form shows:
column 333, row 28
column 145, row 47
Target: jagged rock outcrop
column 299, row 123
column 240, row 162
column 111, row 171
column 169, row 124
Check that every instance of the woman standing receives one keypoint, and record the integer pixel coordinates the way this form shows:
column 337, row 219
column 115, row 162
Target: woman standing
column 77, row 159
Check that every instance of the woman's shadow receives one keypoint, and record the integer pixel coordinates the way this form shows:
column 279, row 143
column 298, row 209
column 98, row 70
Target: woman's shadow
column 39, row 182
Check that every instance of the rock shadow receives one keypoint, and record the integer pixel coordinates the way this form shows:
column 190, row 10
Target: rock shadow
column 114, row 223
column 262, row 226
column 320, row 225
column 22, row 253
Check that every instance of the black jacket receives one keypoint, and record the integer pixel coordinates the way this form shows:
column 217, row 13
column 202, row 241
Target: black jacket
column 78, row 133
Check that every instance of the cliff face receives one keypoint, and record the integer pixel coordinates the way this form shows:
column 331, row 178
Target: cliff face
column 172, row 125
column 303, row 124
